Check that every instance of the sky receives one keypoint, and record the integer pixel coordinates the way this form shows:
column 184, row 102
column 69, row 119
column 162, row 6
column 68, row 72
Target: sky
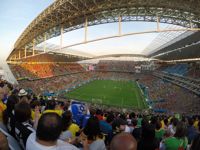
column 16, row 15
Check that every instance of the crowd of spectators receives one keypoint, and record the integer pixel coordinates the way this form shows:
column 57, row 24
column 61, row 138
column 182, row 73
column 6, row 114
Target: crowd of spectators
column 118, row 66
column 171, row 97
column 44, row 70
column 35, row 123
column 31, row 122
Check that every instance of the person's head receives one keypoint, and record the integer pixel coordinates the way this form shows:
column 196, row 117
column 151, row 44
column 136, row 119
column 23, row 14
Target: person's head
column 22, row 111
column 158, row 125
column 166, row 122
column 4, row 142
column 123, row 141
column 34, row 103
column 181, row 130
column 22, row 93
column 24, row 99
column 66, row 120
column 49, row 127
column 132, row 115
column 98, row 112
column 190, row 121
column 110, row 118
column 196, row 143
column 175, row 122
column 51, row 104
column 92, row 128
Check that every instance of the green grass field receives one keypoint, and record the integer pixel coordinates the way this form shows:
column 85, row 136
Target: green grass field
column 108, row 92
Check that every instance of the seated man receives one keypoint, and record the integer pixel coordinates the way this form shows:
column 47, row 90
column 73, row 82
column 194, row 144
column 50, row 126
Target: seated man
column 47, row 134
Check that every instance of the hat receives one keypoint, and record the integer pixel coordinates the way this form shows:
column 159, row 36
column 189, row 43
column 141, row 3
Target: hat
column 22, row 92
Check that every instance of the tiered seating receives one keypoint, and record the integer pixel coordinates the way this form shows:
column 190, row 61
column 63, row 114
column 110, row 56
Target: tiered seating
column 44, row 70
column 118, row 66
column 180, row 69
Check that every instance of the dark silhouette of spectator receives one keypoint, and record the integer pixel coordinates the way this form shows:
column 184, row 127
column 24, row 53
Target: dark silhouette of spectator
column 8, row 115
column 148, row 140
column 23, row 124
column 191, row 130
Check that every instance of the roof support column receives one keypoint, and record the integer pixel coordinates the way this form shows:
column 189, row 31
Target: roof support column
column 191, row 24
column 86, row 29
column 120, row 26
column 45, row 38
column 61, row 37
column 33, row 47
column 158, row 23
column 19, row 55
column 25, row 52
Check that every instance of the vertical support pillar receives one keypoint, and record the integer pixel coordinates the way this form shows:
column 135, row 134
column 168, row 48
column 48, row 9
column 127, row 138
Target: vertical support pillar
column 19, row 55
column 61, row 37
column 45, row 38
column 120, row 26
column 33, row 47
column 25, row 52
column 191, row 24
column 86, row 29
column 158, row 23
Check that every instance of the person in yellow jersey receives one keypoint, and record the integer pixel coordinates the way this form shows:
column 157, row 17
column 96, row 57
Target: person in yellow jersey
column 34, row 104
column 52, row 107
column 74, row 128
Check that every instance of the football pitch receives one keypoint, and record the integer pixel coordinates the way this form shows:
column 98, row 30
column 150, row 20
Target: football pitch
column 124, row 94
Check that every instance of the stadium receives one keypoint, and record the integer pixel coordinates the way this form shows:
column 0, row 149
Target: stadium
column 63, row 93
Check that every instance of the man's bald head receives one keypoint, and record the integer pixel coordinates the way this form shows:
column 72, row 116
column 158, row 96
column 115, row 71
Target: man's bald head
column 123, row 141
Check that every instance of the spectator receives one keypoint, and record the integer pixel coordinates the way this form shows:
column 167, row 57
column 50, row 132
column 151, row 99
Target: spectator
column 47, row 134
column 8, row 115
column 159, row 132
column 51, row 107
column 123, row 141
column 179, row 140
column 191, row 130
column 91, row 136
column 23, row 124
column 66, row 135
column 148, row 140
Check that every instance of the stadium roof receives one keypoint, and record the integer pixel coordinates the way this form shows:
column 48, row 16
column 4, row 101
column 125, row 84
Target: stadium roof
column 185, row 46
column 72, row 14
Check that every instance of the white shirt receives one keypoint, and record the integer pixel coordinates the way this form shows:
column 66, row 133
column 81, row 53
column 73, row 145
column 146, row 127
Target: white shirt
column 32, row 144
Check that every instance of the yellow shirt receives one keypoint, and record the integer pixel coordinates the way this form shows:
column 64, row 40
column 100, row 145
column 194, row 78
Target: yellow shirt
column 162, row 124
column 73, row 128
column 33, row 115
column 59, row 112
column 2, row 108
column 196, row 124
